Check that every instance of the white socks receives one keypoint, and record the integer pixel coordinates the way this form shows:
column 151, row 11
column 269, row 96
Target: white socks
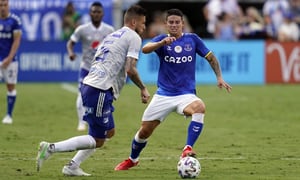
column 12, row 93
column 137, row 138
column 75, row 143
column 81, row 156
column 80, row 109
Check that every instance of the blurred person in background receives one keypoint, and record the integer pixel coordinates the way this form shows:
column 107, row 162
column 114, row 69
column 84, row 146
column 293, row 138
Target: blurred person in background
column 225, row 28
column 10, row 39
column 295, row 10
column 90, row 35
column 214, row 8
column 70, row 20
column 273, row 13
column 252, row 25
column 187, row 27
column 288, row 30
column 157, row 26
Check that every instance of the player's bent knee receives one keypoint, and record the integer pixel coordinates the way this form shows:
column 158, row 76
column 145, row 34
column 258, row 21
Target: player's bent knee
column 99, row 142
column 144, row 133
column 195, row 107
column 201, row 106
column 110, row 133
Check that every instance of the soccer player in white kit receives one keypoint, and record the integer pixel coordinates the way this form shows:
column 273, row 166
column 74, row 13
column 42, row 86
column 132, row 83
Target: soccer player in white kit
column 10, row 39
column 90, row 35
column 176, row 85
column 115, row 59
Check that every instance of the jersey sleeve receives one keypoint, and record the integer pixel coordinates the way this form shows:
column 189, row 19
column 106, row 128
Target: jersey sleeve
column 201, row 48
column 75, row 37
column 134, row 46
column 17, row 27
column 157, row 39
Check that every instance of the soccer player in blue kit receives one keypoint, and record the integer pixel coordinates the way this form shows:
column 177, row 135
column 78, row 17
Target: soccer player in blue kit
column 176, row 85
column 115, row 59
column 10, row 39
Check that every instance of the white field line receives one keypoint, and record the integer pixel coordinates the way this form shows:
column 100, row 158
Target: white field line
column 290, row 159
column 141, row 158
column 170, row 158
column 69, row 87
column 150, row 158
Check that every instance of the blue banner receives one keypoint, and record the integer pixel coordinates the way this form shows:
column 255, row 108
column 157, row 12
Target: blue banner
column 47, row 62
column 42, row 19
column 242, row 62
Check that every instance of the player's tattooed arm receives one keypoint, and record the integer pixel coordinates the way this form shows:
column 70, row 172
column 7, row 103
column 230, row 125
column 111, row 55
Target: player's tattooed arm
column 214, row 63
column 132, row 72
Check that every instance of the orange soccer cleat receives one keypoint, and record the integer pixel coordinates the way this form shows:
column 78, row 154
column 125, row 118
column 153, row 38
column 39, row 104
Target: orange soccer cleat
column 125, row 165
column 188, row 151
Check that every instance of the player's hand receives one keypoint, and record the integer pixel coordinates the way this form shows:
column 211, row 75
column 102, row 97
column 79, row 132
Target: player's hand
column 72, row 56
column 168, row 40
column 145, row 95
column 5, row 63
column 222, row 83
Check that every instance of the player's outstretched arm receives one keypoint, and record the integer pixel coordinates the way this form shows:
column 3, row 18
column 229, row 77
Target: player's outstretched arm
column 152, row 46
column 133, row 74
column 214, row 63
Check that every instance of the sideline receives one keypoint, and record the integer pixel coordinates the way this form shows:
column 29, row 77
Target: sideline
column 69, row 87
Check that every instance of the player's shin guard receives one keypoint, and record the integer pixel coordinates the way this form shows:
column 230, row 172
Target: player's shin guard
column 137, row 146
column 75, row 143
column 82, row 155
column 79, row 107
column 195, row 128
column 11, row 99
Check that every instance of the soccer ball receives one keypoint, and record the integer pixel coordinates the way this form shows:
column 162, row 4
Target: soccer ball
column 188, row 167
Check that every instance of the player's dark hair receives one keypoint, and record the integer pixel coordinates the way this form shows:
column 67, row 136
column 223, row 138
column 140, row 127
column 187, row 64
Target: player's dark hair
column 175, row 12
column 135, row 10
column 97, row 3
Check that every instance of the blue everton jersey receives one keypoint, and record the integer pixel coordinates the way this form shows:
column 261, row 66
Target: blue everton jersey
column 176, row 74
column 7, row 27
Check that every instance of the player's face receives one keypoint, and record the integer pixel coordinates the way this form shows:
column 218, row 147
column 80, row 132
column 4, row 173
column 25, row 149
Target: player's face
column 3, row 8
column 96, row 14
column 174, row 25
column 140, row 24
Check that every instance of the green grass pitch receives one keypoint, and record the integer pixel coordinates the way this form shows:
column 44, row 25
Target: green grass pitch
column 251, row 133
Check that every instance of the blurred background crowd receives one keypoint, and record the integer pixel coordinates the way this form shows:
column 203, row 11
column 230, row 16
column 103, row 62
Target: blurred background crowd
column 212, row 19
column 235, row 19
column 264, row 22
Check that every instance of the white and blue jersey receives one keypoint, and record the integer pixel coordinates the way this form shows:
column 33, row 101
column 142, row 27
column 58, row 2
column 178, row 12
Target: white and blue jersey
column 8, row 27
column 176, row 74
column 108, row 67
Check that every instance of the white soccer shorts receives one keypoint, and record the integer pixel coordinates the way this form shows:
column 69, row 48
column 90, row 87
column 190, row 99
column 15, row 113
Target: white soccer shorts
column 10, row 74
column 161, row 106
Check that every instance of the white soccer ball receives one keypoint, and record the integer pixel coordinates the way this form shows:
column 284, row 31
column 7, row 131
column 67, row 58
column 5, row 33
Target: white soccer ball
column 188, row 167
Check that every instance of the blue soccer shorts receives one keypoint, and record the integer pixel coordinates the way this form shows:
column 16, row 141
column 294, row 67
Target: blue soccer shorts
column 98, row 110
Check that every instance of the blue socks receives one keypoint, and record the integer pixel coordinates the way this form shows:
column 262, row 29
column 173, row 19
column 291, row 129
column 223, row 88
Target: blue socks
column 194, row 132
column 136, row 148
column 10, row 104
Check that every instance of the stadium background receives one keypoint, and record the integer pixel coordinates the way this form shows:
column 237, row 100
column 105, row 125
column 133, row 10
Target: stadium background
column 43, row 56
